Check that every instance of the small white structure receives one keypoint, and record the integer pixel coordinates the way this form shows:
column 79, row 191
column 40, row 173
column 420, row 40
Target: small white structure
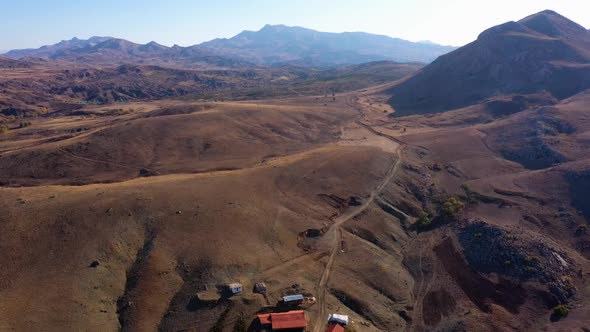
column 293, row 299
column 235, row 288
column 337, row 318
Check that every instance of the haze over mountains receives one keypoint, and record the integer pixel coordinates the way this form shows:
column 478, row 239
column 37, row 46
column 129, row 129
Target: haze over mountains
column 272, row 45
column 278, row 44
column 542, row 52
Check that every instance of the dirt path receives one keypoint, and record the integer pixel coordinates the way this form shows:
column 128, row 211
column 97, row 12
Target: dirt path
column 336, row 232
column 69, row 154
column 294, row 261
column 420, row 291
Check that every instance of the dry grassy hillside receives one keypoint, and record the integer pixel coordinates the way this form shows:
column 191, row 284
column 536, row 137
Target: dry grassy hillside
column 210, row 136
column 134, row 216
column 404, row 224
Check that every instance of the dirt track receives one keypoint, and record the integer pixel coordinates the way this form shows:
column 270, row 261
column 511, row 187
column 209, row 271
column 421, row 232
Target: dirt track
column 335, row 230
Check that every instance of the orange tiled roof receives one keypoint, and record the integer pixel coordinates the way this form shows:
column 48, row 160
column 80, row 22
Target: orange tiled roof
column 335, row 328
column 288, row 320
column 264, row 319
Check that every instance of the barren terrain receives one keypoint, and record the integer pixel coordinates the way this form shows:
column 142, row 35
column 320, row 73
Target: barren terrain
column 464, row 210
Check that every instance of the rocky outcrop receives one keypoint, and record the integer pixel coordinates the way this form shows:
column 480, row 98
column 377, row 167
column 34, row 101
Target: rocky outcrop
column 519, row 256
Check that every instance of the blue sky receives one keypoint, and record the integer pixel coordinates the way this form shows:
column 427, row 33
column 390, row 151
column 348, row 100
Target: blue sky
column 32, row 23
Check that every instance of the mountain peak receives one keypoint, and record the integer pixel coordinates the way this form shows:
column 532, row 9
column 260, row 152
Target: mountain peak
column 551, row 23
column 504, row 28
column 273, row 26
column 513, row 57
column 549, row 12
column 270, row 28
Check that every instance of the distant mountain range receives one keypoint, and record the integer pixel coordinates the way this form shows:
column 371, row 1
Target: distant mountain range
column 275, row 44
column 542, row 52
column 272, row 45
column 115, row 51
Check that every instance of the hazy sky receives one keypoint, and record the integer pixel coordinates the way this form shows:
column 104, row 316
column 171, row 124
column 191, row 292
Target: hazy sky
column 32, row 23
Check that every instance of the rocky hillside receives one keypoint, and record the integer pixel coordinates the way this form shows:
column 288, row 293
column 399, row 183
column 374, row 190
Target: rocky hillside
column 542, row 52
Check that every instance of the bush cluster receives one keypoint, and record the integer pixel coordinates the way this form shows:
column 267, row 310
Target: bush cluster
column 423, row 221
column 452, row 207
column 560, row 311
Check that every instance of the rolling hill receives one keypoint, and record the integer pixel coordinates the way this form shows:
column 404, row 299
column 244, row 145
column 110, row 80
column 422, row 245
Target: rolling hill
column 542, row 52
column 8, row 63
column 26, row 94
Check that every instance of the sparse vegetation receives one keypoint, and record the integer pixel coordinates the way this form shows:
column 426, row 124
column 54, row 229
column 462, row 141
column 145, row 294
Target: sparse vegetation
column 531, row 259
column 220, row 323
column 437, row 167
column 423, row 221
column 560, row 311
column 4, row 129
column 452, row 207
column 469, row 196
column 24, row 124
column 241, row 325
column 582, row 230
column 568, row 283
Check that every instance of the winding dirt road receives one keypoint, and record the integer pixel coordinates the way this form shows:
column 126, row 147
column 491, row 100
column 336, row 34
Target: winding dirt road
column 335, row 231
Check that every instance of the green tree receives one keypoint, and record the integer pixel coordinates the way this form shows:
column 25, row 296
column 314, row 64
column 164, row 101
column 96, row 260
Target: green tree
column 423, row 221
column 452, row 207
column 560, row 311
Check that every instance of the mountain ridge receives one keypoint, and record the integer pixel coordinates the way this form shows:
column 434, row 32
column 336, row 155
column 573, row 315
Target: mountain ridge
column 285, row 44
column 513, row 57
column 271, row 45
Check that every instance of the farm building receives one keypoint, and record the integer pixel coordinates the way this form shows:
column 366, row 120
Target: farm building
column 292, row 321
column 235, row 288
column 339, row 319
column 334, row 327
column 260, row 287
column 293, row 299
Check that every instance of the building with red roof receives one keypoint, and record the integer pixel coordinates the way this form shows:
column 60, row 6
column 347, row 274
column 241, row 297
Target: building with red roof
column 291, row 320
column 335, row 328
column 264, row 319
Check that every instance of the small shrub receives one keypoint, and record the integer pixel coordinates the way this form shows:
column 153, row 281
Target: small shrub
column 423, row 221
column 4, row 129
column 568, row 282
column 241, row 325
column 531, row 259
column 452, row 207
column 582, row 230
column 437, row 167
column 560, row 311
column 469, row 196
